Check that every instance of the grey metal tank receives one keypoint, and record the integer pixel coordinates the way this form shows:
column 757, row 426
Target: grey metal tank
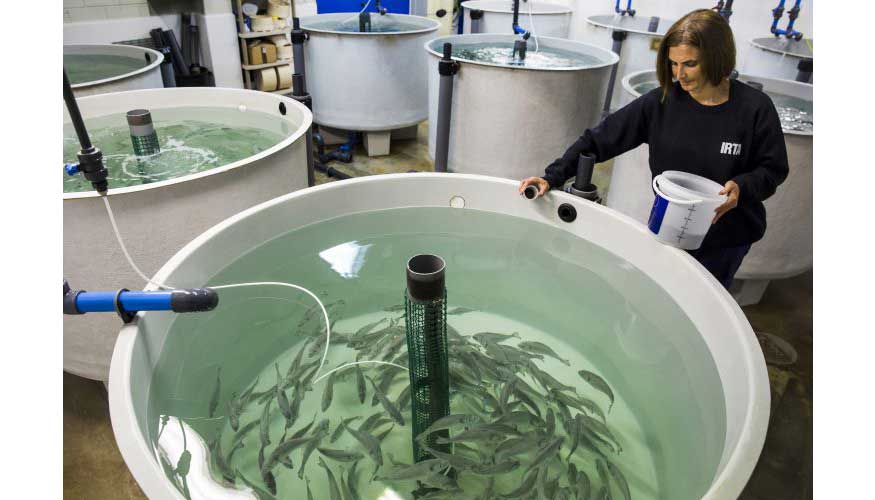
column 373, row 81
column 543, row 18
column 786, row 249
column 779, row 58
column 512, row 121
column 103, row 68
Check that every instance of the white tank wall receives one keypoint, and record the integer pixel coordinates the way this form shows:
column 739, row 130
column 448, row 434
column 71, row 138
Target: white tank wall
column 749, row 19
column 552, row 20
column 719, row 321
column 157, row 219
column 367, row 81
column 513, row 122
column 147, row 77
column 786, row 249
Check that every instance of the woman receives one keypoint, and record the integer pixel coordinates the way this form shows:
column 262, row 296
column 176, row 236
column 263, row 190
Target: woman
column 698, row 121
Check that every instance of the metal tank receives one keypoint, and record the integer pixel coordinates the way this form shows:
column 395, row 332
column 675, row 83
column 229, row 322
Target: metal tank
column 146, row 76
column 373, row 81
column 638, row 44
column 541, row 18
column 157, row 219
column 781, row 58
column 786, row 250
column 652, row 309
column 512, row 121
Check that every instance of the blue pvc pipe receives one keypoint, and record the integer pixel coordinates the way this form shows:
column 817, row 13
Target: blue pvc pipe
column 130, row 301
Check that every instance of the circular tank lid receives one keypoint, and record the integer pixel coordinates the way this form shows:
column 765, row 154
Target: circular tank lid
column 638, row 24
column 120, row 102
column 502, row 7
column 604, row 57
column 641, row 82
column 330, row 23
column 784, row 46
column 133, row 51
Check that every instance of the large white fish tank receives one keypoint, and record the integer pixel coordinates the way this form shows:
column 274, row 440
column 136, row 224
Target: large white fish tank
column 104, row 68
column 652, row 355
column 560, row 86
column 786, row 250
column 539, row 18
column 222, row 150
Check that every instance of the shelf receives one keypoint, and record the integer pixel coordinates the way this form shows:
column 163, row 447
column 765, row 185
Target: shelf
column 259, row 34
column 250, row 67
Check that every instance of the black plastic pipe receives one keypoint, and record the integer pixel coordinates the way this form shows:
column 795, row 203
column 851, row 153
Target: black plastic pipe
column 618, row 36
column 298, row 38
column 805, row 69
column 447, row 68
column 75, row 115
column 476, row 16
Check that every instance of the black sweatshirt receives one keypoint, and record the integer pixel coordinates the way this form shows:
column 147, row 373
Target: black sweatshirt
column 740, row 140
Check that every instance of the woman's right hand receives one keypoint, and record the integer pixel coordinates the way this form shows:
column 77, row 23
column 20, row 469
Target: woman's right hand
column 542, row 185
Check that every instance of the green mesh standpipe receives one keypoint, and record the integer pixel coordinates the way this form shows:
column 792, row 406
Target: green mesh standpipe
column 143, row 136
column 426, row 318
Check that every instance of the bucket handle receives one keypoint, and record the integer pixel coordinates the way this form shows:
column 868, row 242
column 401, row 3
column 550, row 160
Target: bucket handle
column 669, row 198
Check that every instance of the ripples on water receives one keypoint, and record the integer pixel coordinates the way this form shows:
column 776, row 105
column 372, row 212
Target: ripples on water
column 502, row 52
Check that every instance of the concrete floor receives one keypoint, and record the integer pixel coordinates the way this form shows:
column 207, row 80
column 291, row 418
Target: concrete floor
column 93, row 467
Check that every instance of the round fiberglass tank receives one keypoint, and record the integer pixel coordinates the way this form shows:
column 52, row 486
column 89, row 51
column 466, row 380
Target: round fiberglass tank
column 511, row 120
column 684, row 390
column 367, row 81
column 100, row 69
column 778, row 58
column 546, row 19
column 638, row 51
column 222, row 150
column 786, row 249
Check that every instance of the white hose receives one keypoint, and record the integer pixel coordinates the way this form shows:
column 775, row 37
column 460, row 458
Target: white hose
column 353, row 17
column 532, row 22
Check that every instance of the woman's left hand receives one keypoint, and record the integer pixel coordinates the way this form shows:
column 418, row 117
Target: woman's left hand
column 731, row 190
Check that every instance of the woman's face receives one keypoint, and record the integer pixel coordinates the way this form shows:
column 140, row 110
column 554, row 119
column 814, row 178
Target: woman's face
column 686, row 67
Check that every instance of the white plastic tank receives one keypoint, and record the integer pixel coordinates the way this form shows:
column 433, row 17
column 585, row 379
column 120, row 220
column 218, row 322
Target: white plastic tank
column 513, row 120
column 603, row 292
column 786, row 250
column 778, row 58
column 372, row 81
column 156, row 219
column 639, row 49
column 541, row 18
column 100, row 69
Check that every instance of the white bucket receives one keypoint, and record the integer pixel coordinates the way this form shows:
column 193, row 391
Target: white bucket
column 683, row 208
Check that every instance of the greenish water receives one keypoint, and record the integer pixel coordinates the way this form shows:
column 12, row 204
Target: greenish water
column 83, row 68
column 536, row 57
column 192, row 140
column 511, row 275
column 795, row 113
column 378, row 25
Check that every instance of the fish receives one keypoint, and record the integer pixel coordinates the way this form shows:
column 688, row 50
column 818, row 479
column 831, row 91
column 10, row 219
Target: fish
column 233, row 450
column 328, row 393
column 440, row 481
column 360, row 384
column 525, row 487
column 551, row 423
column 620, row 480
column 404, row 472
column 529, row 402
column 233, row 415
column 265, row 424
column 584, row 487
column 303, row 430
column 372, row 422
column 602, row 469
column 308, row 450
column 283, row 449
column 497, row 468
column 604, row 493
column 459, row 310
column 548, row 487
column 339, row 430
column 515, row 418
column 403, row 400
column 486, row 432
column 515, row 446
column 494, row 338
column 385, row 382
column 572, row 474
column 345, row 489
column 260, row 493
column 216, row 450
column 600, row 430
column 455, row 461
column 381, row 436
column 309, row 493
column 448, row 422
column 387, row 405
column 580, row 403
column 369, row 442
column 281, row 398
column 504, row 396
column 488, row 491
column 546, row 380
column 340, row 455
column 540, row 348
column 352, row 480
column 296, row 364
column 598, row 384
column 367, row 328
column 575, row 435
column 332, row 482
column 214, row 400
column 269, row 481
column 546, row 453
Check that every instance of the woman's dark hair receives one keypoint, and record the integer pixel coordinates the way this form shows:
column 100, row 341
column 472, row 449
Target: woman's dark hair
column 707, row 31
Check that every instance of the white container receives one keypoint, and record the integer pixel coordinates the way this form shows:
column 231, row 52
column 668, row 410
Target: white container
column 638, row 51
column 147, row 77
column 786, row 250
column 777, row 58
column 157, row 219
column 547, row 19
column 730, row 358
column 367, row 81
column 495, row 108
column 683, row 208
